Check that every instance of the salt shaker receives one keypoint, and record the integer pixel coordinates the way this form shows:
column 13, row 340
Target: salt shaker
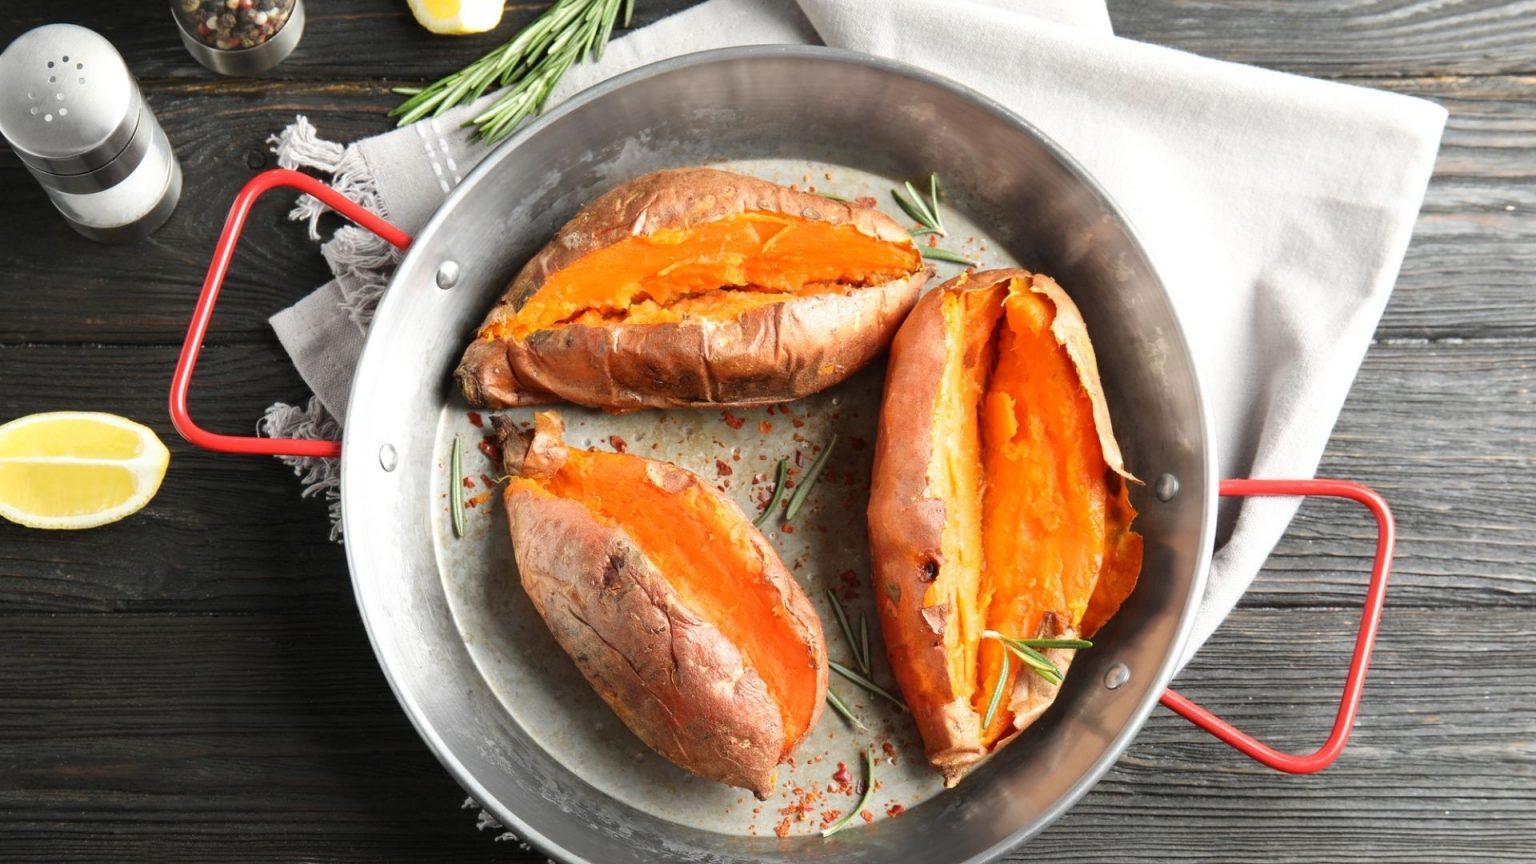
column 239, row 37
column 73, row 113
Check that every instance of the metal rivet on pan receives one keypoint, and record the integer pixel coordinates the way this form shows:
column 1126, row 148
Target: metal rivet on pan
column 1166, row 487
column 388, row 458
column 447, row 274
column 1116, row 676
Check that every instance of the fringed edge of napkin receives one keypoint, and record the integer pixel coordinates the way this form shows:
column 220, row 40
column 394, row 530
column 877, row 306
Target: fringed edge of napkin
column 361, row 261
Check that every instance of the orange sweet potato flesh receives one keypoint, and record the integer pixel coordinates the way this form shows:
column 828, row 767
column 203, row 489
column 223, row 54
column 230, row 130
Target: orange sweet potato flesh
column 1021, row 473
column 717, row 270
column 672, row 604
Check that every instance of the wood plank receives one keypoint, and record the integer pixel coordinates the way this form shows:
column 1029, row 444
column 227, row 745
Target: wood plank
column 170, row 736
column 225, row 532
column 1466, row 272
column 1445, row 454
column 1329, row 39
column 1372, row 37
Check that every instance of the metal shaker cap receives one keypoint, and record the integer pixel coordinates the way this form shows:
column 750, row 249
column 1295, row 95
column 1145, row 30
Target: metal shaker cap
column 69, row 104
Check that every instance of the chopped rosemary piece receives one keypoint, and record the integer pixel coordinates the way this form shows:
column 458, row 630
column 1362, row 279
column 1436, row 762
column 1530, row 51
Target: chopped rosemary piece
column 933, row 253
column 867, row 684
column 864, row 642
column 842, row 621
column 1056, row 643
column 778, row 493
column 869, row 791
column 834, row 197
column 842, row 709
column 456, row 492
column 997, row 694
column 804, row 489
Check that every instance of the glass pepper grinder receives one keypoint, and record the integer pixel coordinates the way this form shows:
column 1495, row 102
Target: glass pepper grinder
column 74, row 115
column 239, row 37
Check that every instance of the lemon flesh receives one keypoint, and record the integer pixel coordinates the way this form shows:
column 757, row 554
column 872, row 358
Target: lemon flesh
column 456, row 17
column 77, row 469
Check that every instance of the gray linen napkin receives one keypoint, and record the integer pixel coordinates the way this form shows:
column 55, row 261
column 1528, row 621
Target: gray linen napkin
column 1277, row 208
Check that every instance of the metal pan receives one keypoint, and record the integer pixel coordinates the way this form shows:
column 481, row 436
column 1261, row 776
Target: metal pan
column 474, row 668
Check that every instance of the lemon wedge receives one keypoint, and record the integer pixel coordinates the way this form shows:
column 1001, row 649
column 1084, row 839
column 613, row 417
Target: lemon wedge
column 77, row 469
column 457, row 17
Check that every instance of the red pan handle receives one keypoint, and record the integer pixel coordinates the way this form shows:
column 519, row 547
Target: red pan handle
column 1370, row 619
column 223, row 252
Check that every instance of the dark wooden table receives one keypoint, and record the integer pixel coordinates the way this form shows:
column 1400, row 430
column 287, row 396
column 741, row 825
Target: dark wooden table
column 194, row 684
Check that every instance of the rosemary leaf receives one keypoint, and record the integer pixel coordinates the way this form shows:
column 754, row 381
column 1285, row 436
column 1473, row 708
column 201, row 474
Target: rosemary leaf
column 997, row 695
column 1056, row 643
column 936, row 254
column 405, row 91
column 867, row 684
column 842, row 709
column 922, row 232
column 842, row 622
column 930, row 218
column 832, row 197
column 869, row 791
column 864, row 642
column 913, row 209
column 456, row 491
column 804, row 489
column 933, row 201
column 778, row 493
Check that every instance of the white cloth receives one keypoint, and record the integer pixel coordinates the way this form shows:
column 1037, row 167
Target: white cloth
column 1276, row 208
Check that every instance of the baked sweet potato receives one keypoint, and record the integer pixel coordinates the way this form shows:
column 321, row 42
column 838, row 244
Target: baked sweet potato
column 673, row 605
column 696, row 287
column 999, row 503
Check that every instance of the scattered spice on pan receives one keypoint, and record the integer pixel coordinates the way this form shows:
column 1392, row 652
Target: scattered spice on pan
column 732, row 420
column 798, row 499
column 475, row 419
column 997, row 694
column 867, row 684
column 836, row 703
column 618, row 444
column 456, row 495
column 778, row 493
column 489, row 447
column 860, row 660
column 869, row 790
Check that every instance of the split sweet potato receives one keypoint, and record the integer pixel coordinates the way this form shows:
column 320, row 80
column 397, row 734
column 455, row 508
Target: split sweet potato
column 696, row 287
column 672, row 604
column 999, row 505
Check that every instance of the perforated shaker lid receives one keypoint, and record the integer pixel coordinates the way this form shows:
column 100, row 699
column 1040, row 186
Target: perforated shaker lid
column 68, row 104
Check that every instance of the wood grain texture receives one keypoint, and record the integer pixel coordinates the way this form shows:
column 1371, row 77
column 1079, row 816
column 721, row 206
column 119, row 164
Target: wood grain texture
column 275, row 737
column 1466, row 273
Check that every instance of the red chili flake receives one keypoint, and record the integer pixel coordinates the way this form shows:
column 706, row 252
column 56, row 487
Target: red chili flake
column 799, row 455
column 865, row 201
column 798, row 423
column 618, row 444
column 487, row 481
column 857, row 442
column 890, row 750
column 469, row 482
column 489, row 447
column 476, row 420
column 655, row 445
column 723, row 468
column 895, row 810
column 829, row 816
column 933, row 241
column 841, row 776
column 782, row 829
column 732, row 420
column 867, row 816
column 477, row 500
column 770, row 410
column 788, row 528
column 764, row 426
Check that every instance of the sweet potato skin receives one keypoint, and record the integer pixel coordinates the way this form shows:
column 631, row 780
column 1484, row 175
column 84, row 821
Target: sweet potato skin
column 769, row 354
column 674, row 679
column 906, row 528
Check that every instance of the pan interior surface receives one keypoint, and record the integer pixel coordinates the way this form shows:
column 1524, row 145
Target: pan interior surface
column 473, row 666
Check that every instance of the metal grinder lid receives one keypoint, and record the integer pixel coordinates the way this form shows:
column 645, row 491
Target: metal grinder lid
column 68, row 104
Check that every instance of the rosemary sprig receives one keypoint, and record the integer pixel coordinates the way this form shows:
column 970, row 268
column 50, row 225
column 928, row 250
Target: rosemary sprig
column 861, row 660
column 867, row 684
column 934, row 253
column 841, row 707
column 869, row 791
column 997, row 694
column 456, row 491
column 778, row 493
column 926, row 215
column 804, row 489
column 528, row 66
column 1025, row 650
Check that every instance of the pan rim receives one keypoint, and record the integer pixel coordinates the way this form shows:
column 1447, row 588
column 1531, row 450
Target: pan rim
column 1166, row 668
